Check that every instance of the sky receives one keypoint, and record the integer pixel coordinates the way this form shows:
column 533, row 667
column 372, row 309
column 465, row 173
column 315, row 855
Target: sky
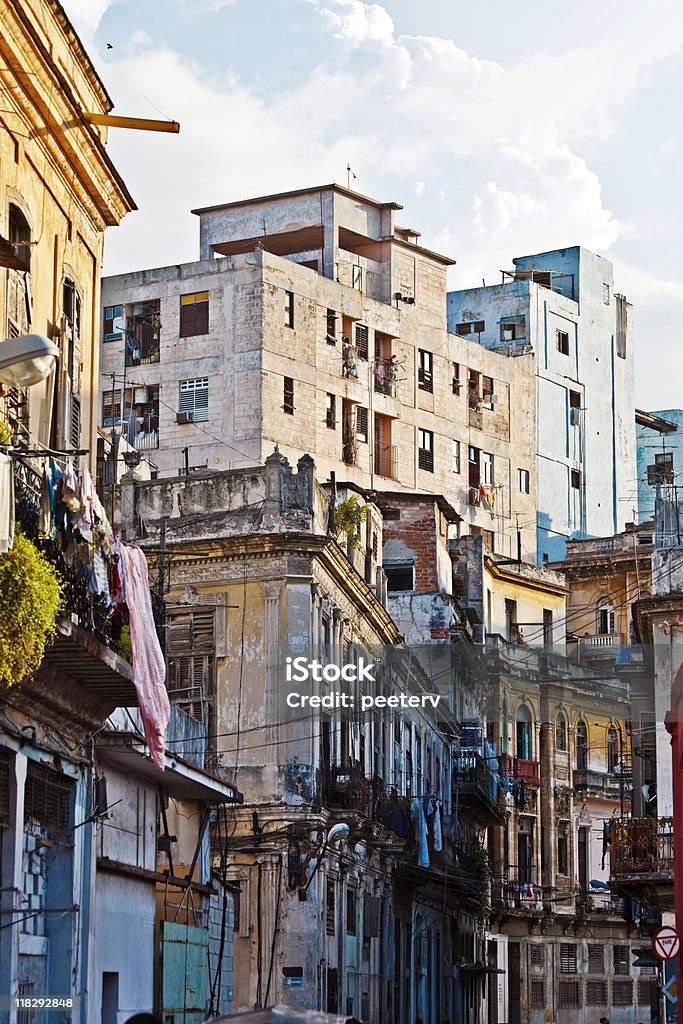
column 504, row 129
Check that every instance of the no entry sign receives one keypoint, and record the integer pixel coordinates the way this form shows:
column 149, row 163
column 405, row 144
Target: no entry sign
column 666, row 943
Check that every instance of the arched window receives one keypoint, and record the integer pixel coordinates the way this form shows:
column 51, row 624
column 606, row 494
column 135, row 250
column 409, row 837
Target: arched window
column 523, row 723
column 612, row 749
column 605, row 623
column 581, row 746
column 20, row 236
column 561, row 731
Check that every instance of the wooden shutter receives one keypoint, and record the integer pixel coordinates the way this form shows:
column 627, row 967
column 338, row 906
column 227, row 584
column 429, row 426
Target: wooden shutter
column 194, row 314
column 362, row 346
column 191, row 657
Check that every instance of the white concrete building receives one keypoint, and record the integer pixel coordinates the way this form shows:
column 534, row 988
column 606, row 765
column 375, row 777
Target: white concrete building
column 313, row 321
column 563, row 305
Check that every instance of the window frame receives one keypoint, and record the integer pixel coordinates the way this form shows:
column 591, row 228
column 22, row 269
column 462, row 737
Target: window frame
column 196, row 323
column 425, row 450
column 288, row 395
column 183, row 389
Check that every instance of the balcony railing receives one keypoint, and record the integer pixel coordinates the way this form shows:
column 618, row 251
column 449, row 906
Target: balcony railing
column 642, row 847
column 601, row 645
column 385, row 377
column 520, row 768
column 386, row 462
column 477, row 784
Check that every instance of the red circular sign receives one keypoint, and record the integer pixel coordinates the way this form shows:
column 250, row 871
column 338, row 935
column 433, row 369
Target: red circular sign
column 666, row 943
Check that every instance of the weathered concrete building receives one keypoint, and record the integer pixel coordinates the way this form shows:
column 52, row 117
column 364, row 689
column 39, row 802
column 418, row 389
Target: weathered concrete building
column 563, row 305
column 345, row 902
column 58, row 192
column 312, row 320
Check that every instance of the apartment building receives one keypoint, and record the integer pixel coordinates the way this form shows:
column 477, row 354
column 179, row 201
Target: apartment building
column 52, row 222
column 660, row 454
column 312, row 320
column 563, row 304
column 338, row 887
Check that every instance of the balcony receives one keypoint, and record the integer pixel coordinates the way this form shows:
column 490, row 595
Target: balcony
column 600, row 646
column 87, row 646
column 521, row 768
column 478, row 788
column 143, row 330
column 600, row 783
column 385, row 376
column 386, row 461
column 642, row 857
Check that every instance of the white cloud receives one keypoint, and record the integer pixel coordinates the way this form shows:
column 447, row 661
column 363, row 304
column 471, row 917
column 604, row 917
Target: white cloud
column 419, row 188
column 357, row 22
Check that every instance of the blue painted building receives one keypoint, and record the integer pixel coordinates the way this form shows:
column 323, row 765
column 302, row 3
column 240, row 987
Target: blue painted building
column 562, row 306
column 659, row 443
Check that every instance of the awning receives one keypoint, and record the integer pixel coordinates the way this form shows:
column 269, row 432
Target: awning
column 128, row 751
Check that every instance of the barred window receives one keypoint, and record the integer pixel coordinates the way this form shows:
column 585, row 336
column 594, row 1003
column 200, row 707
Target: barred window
column 330, row 907
column 568, row 958
column 621, row 960
column 569, row 995
column 537, row 994
column 47, row 801
column 622, row 993
column 5, row 764
column 537, row 955
column 596, row 993
column 648, row 991
column 596, row 958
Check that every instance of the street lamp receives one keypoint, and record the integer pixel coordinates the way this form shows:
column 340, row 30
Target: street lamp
column 27, row 360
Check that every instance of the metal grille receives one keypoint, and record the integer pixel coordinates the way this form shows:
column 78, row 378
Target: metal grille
column 330, row 908
column 4, row 787
column 622, row 993
column 569, row 995
column 596, row 959
column 620, row 954
column 568, row 958
column 648, row 991
column 47, row 800
column 537, row 994
column 596, row 993
column 25, row 1015
column 537, row 955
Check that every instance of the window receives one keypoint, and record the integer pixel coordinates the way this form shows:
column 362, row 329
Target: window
column 361, row 423
column 425, row 377
column 330, row 907
column 351, row 911
column 569, row 995
column 523, row 737
column 648, row 990
column 194, row 314
column 511, row 620
column 664, row 459
column 537, row 994
column 193, row 399
column 47, row 801
column 562, row 342
column 574, row 399
column 612, row 763
column 457, row 384
column 455, row 456
column 487, row 396
column 473, row 390
column 562, row 854
column 400, row 576
column 561, row 731
column 576, row 479
column 605, row 618
column 622, row 993
column 605, row 293
column 581, row 746
column 331, row 411
column 20, row 237
column 567, row 958
column 289, row 309
column 191, row 663
column 71, row 305
column 472, row 327
column 523, row 480
column 331, row 327
column 537, row 955
column 596, row 958
column 596, row 993
column 111, row 407
column 113, row 323
column 288, row 395
column 486, row 465
column 362, row 345
column 512, row 330
column 425, row 450
column 75, row 424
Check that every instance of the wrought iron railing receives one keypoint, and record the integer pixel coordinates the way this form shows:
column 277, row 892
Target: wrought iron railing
column 520, row 768
column 473, row 776
column 642, row 846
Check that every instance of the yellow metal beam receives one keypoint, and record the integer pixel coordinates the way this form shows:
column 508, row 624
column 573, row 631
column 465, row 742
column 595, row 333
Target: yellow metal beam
column 139, row 123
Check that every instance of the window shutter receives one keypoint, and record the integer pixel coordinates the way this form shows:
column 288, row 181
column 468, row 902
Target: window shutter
column 191, row 661
column 362, row 345
column 567, row 958
column 371, row 916
column 596, row 958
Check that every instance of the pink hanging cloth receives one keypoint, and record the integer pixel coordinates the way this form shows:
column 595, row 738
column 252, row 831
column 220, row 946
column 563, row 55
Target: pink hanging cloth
column 149, row 669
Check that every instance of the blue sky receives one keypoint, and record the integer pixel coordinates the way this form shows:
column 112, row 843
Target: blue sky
column 503, row 129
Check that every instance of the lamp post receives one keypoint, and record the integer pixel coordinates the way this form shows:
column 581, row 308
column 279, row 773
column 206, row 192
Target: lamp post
column 27, row 360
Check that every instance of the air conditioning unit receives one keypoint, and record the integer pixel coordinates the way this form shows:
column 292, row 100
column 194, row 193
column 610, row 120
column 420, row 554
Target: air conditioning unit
column 184, row 417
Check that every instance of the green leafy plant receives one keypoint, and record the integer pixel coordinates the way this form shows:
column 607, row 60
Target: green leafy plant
column 31, row 597
column 349, row 515
column 5, row 434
